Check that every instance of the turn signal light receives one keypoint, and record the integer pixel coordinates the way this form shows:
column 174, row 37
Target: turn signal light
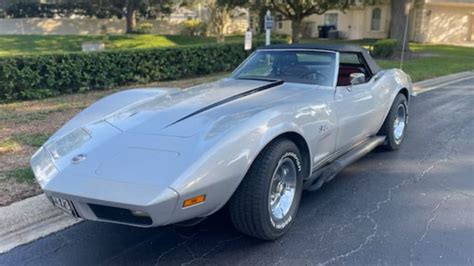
column 193, row 201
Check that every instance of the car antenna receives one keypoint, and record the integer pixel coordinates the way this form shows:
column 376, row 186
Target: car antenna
column 405, row 33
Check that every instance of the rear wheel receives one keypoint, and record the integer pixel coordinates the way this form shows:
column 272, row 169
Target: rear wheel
column 266, row 202
column 395, row 124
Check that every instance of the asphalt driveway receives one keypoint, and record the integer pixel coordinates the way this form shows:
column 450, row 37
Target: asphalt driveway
column 414, row 206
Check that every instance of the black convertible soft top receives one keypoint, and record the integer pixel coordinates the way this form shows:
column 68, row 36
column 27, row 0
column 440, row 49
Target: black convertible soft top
column 343, row 48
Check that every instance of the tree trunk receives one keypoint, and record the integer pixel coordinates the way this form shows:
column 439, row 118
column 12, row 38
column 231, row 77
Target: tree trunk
column 220, row 37
column 398, row 21
column 131, row 16
column 295, row 31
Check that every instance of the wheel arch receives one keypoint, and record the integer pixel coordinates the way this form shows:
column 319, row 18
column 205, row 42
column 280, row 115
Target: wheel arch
column 300, row 142
column 405, row 92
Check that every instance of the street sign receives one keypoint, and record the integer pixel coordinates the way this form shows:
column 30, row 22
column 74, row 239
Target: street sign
column 268, row 26
column 248, row 40
column 268, row 22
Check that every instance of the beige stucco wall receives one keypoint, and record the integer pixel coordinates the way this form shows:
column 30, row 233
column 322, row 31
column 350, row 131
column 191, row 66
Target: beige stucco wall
column 65, row 26
column 444, row 24
column 352, row 24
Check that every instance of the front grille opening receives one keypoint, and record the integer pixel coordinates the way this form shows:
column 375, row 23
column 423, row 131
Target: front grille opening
column 119, row 215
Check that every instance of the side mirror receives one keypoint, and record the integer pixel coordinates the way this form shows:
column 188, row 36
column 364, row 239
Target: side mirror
column 357, row 78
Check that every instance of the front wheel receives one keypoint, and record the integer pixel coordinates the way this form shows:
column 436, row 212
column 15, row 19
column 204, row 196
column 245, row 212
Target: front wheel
column 395, row 124
column 266, row 202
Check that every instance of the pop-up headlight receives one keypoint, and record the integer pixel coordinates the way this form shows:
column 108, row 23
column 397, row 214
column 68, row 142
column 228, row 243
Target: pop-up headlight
column 68, row 143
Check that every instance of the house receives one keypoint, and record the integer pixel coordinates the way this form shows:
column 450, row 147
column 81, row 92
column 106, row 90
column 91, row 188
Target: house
column 433, row 21
column 443, row 21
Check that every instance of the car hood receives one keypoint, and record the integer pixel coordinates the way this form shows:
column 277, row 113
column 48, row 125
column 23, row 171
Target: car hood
column 152, row 115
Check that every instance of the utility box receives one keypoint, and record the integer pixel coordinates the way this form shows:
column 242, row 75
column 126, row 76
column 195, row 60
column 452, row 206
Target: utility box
column 324, row 30
column 93, row 46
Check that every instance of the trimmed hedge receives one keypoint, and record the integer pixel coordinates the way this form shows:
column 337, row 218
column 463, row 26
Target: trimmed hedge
column 384, row 48
column 35, row 77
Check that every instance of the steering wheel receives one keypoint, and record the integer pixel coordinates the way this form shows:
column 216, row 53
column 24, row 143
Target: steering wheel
column 316, row 73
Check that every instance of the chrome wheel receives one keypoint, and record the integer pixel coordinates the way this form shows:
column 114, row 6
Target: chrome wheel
column 400, row 123
column 282, row 188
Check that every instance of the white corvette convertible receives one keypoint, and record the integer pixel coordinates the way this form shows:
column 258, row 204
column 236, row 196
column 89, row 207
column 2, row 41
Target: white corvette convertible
column 289, row 118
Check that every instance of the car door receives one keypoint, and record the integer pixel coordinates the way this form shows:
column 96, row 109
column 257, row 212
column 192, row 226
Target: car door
column 355, row 105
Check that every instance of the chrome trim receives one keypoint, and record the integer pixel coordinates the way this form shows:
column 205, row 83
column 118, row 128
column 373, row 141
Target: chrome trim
column 282, row 189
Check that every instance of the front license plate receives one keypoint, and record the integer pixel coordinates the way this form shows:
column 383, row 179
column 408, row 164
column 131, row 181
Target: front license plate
column 64, row 205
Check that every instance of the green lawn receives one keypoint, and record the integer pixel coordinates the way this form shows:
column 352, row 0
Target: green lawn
column 429, row 60
column 434, row 61
column 41, row 44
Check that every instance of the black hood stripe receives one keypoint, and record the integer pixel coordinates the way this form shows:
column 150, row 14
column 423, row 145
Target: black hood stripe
column 226, row 100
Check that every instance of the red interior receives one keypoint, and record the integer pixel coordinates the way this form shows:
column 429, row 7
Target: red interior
column 344, row 77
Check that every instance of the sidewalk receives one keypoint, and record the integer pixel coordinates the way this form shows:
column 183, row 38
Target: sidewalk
column 30, row 219
column 33, row 218
column 432, row 84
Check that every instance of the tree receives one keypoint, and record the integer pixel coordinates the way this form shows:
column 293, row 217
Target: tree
column 220, row 14
column 132, row 8
column 398, row 22
column 297, row 10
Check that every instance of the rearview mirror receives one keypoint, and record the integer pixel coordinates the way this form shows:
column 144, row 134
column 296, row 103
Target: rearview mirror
column 357, row 78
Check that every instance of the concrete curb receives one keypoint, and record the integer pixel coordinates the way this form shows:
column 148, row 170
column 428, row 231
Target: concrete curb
column 33, row 218
column 432, row 84
column 30, row 219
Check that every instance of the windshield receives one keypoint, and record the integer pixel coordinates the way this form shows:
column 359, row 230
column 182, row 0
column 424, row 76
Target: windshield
column 308, row 67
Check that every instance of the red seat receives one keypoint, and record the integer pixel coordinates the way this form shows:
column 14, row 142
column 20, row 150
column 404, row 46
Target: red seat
column 344, row 76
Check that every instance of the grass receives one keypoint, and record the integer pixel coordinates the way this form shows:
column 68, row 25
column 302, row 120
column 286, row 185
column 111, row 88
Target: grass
column 33, row 140
column 434, row 61
column 9, row 145
column 427, row 60
column 24, row 174
column 44, row 44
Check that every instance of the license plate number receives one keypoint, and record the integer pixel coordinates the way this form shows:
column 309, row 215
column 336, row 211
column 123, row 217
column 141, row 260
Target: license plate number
column 64, row 205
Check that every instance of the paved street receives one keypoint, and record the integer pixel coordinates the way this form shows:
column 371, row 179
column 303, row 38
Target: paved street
column 414, row 206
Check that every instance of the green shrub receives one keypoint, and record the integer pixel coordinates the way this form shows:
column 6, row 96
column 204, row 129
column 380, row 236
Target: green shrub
column 40, row 76
column 144, row 28
column 194, row 27
column 384, row 48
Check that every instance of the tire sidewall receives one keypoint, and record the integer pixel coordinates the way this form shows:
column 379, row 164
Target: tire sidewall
column 278, row 228
column 400, row 99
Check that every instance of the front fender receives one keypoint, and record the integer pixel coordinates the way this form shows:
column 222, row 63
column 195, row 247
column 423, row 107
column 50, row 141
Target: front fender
column 225, row 159
column 397, row 81
column 108, row 105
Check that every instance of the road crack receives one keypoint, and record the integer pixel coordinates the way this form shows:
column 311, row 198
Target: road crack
column 378, row 207
column 434, row 215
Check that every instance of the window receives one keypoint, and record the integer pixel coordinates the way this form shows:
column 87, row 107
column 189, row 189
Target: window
column 350, row 63
column 376, row 19
column 330, row 19
column 305, row 67
column 349, row 58
column 280, row 21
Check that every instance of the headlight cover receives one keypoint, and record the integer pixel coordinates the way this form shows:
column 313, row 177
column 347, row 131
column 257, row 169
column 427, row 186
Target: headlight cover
column 68, row 143
column 43, row 167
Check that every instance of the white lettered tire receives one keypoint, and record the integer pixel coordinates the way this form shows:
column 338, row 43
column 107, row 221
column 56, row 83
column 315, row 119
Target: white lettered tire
column 266, row 202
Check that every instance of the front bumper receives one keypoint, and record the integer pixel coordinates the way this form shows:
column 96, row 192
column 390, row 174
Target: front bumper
column 121, row 203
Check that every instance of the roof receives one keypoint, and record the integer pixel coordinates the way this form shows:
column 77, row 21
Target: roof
column 336, row 47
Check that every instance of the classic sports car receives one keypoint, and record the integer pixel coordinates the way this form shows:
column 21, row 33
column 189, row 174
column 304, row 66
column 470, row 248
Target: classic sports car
column 288, row 119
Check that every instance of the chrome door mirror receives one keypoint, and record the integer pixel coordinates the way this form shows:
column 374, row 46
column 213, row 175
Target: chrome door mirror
column 357, row 78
